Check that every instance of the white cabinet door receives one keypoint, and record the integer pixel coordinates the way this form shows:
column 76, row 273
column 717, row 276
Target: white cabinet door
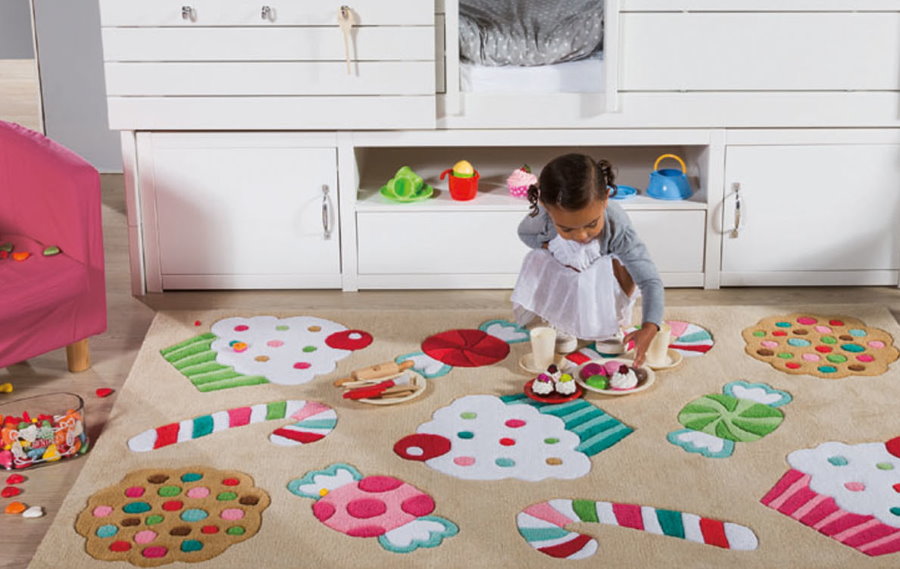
column 676, row 241
column 239, row 211
column 815, row 214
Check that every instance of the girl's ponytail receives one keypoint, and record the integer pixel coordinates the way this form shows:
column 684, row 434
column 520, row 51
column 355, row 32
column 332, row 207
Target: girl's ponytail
column 606, row 178
column 533, row 195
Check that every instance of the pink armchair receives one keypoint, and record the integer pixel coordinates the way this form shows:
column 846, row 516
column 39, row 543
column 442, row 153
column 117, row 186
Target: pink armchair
column 49, row 196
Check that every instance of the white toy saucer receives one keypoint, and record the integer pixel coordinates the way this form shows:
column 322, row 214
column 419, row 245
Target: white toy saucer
column 674, row 358
column 526, row 362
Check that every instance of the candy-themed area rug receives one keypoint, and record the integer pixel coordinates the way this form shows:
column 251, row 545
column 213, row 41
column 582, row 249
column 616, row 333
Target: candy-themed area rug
column 771, row 444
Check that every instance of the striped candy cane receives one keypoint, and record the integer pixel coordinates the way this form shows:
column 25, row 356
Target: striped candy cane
column 543, row 526
column 313, row 421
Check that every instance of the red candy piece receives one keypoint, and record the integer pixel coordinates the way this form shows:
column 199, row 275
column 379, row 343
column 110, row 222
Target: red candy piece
column 779, row 333
column 119, row 546
column 11, row 491
column 836, row 322
column 893, row 446
column 792, row 365
column 196, row 322
column 104, row 392
column 15, row 479
column 823, row 349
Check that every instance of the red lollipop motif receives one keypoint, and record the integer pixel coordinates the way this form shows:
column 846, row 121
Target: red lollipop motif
column 422, row 446
column 465, row 348
column 349, row 340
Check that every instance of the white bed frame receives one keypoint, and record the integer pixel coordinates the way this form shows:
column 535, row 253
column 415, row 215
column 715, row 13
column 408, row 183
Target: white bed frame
column 253, row 158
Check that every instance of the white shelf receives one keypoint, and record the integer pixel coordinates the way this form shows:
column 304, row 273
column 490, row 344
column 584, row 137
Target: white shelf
column 495, row 197
column 378, row 164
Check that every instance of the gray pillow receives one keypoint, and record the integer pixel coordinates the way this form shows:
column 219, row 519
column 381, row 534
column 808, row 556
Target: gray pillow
column 529, row 32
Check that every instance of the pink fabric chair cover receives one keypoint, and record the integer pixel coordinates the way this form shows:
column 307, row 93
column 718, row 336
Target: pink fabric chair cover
column 48, row 196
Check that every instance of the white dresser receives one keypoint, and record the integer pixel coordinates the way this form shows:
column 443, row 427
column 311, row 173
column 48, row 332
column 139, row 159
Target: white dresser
column 256, row 137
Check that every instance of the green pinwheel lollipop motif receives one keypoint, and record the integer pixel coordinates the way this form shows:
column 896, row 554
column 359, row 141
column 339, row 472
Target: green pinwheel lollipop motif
column 744, row 412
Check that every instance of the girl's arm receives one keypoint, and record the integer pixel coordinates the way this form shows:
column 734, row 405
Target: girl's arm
column 632, row 253
column 536, row 231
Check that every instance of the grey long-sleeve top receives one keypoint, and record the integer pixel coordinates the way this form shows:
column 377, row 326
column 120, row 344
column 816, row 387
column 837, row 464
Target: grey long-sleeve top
column 618, row 238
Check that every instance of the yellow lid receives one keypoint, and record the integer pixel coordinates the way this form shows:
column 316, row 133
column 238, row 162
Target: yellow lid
column 463, row 168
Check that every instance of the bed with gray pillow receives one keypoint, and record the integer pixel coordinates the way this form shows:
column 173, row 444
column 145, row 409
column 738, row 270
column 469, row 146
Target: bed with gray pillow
column 529, row 32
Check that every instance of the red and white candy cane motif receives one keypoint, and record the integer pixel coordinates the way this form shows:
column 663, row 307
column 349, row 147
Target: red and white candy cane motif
column 313, row 421
column 543, row 526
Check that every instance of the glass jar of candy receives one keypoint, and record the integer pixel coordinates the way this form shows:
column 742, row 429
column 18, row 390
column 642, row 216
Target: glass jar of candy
column 41, row 429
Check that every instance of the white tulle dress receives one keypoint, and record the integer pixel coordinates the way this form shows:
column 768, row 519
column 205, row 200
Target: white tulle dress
column 587, row 303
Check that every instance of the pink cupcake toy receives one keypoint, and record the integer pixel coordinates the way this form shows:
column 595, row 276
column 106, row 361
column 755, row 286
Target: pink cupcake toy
column 519, row 181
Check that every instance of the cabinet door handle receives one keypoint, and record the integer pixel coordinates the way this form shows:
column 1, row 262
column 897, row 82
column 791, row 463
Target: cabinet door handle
column 326, row 212
column 736, row 188
column 188, row 13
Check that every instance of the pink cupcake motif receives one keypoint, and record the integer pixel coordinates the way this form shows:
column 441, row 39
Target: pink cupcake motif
column 397, row 513
column 851, row 493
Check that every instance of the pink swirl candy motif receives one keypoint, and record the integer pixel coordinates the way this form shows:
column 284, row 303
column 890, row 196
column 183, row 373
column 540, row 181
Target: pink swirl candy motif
column 396, row 512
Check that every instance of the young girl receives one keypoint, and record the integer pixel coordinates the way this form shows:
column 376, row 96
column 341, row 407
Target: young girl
column 587, row 261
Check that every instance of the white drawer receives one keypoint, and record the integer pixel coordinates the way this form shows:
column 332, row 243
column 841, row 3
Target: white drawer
column 760, row 51
column 418, row 243
column 249, row 13
column 381, row 43
column 266, row 79
column 675, row 239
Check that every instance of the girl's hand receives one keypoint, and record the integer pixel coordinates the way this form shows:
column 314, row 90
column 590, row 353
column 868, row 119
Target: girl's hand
column 641, row 338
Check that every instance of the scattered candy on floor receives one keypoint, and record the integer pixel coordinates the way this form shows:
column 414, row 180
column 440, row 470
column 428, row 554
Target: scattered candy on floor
column 11, row 491
column 33, row 512
column 104, row 392
column 15, row 508
column 15, row 479
column 51, row 250
column 6, row 387
column 21, row 256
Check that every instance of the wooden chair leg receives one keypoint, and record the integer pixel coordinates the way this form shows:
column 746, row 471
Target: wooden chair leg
column 78, row 356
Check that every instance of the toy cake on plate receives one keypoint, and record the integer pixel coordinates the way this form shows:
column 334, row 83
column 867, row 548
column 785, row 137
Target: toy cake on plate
column 552, row 381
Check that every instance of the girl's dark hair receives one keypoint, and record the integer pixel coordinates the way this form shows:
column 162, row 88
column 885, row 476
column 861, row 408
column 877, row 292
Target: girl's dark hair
column 572, row 181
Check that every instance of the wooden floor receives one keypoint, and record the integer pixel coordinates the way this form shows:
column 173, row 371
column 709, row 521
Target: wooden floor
column 129, row 318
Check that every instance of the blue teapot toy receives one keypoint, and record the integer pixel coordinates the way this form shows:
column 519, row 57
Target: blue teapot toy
column 669, row 183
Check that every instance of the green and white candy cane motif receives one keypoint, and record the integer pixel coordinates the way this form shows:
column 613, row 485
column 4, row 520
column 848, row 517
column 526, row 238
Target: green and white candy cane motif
column 744, row 412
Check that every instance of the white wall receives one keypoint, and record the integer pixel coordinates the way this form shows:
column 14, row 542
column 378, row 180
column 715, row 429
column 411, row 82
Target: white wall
column 15, row 30
column 70, row 61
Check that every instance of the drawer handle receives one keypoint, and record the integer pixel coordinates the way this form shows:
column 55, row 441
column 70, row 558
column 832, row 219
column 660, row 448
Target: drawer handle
column 188, row 13
column 345, row 21
column 326, row 212
column 736, row 188
column 267, row 13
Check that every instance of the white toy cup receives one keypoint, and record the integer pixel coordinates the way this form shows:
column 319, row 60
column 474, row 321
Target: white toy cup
column 658, row 352
column 543, row 342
